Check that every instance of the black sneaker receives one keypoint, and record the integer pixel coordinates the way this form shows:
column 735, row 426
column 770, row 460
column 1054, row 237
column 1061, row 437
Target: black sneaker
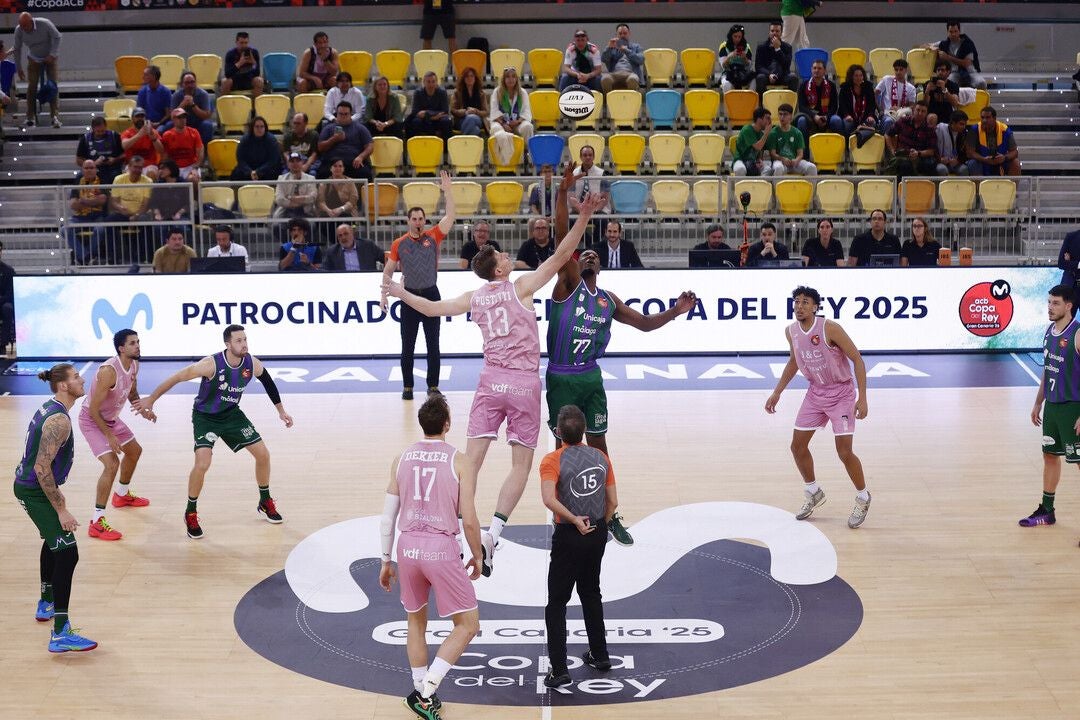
column 557, row 678
column 268, row 509
column 601, row 665
column 194, row 530
column 434, row 392
column 423, row 707
column 406, row 394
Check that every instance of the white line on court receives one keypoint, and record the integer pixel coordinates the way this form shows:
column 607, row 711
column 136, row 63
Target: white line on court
column 545, row 712
column 1022, row 364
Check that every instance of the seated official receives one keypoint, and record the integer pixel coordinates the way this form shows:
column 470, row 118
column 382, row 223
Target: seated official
column 223, row 244
column 921, row 250
column 714, row 235
column 875, row 241
column 767, row 248
column 823, row 250
column 616, row 252
column 538, row 247
column 352, row 254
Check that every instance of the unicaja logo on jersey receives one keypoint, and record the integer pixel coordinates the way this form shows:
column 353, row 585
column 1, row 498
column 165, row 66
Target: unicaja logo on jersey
column 103, row 311
column 986, row 309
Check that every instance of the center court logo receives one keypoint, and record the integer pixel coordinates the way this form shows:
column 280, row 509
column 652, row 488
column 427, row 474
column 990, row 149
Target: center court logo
column 688, row 611
column 103, row 311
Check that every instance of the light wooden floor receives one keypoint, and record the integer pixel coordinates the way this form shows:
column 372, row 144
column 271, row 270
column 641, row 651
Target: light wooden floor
column 966, row 615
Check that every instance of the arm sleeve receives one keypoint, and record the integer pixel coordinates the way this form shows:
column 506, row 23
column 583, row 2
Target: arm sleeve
column 391, row 503
column 268, row 384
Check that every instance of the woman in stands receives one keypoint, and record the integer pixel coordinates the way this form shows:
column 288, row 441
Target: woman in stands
column 469, row 105
column 858, row 104
column 510, row 115
column 824, row 250
column 922, row 249
column 383, row 114
column 258, row 157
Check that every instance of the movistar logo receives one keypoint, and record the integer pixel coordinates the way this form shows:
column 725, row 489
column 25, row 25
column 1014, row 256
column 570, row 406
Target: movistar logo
column 103, row 310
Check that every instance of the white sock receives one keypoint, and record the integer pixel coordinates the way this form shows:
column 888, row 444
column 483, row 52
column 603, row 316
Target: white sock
column 122, row 489
column 418, row 674
column 863, row 495
column 435, row 674
column 98, row 514
column 497, row 525
column 811, row 488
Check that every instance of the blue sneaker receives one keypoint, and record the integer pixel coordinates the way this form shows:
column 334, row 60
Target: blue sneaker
column 44, row 611
column 68, row 639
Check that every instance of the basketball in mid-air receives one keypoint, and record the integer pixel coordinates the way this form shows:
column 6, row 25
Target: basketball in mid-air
column 577, row 102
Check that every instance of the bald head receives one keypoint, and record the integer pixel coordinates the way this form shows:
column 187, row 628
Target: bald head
column 26, row 21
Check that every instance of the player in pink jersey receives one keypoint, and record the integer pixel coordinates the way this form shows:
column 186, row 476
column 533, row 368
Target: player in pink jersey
column 431, row 484
column 509, row 385
column 821, row 350
column 108, row 436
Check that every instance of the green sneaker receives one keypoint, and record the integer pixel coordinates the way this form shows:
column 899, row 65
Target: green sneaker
column 422, row 707
column 618, row 530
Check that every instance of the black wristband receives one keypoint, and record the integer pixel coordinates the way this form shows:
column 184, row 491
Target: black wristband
column 268, row 384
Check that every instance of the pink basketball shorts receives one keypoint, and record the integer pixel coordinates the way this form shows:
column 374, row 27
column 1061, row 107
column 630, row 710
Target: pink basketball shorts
column 429, row 561
column 835, row 404
column 99, row 445
column 510, row 395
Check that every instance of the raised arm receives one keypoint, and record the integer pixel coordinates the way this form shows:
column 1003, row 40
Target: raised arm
column 54, row 433
column 785, row 377
column 648, row 323
column 447, row 222
column 569, row 273
column 431, row 308
column 836, row 335
column 529, row 283
column 203, row 368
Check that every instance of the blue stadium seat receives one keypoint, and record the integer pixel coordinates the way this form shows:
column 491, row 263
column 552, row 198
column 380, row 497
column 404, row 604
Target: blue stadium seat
column 804, row 60
column 629, row 196
column 279, row 69
column 663, row 107
column 546, row 149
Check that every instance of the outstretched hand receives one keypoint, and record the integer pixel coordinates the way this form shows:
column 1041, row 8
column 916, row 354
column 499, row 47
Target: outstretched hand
column 686, row 302
column 444, row 182
column 568, row 177
column 592, row 203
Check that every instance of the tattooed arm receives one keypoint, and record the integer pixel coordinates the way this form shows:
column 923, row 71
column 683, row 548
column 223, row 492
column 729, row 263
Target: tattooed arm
column 54, row 433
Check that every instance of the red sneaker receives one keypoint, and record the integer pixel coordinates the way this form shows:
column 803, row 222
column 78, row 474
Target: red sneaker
column 103, row 531
column 129, row 499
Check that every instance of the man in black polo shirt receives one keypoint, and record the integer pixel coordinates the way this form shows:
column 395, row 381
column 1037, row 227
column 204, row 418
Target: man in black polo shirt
column 876, row 241
column 537, row 248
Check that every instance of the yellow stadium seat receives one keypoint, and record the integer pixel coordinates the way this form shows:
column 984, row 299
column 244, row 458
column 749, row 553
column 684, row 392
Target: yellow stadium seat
column 467, row 196
column 876, row 194
column 382, row 199
column 732, row 138
column 843, row 58
column 918, row 196
column 207, row 68
column 234, row 111
column 834, row 196
column 827, row 150
column 358, row 64
column 129, row 69
column 422, row 194
column 476, row 59
column 627, row 151
column 590, row 120
column 624, row 108
column 504, row 197
column 972, row 109
column 394, row 64
column 881, row 60
column 117, row 113
column 311, row 104
column 545, row 109
column 275, row 109
column 697, row 65
column 660, row 66
column 503, row 58
column 670, row 196
column 171, row 66
column 579, row 140
column 739, row 106
column 425, row 154
column 957, row 196
column 794, row 196
column 222, row 155
column 869, row 156
column 773, row 99
column 222, row 196
column 431, row 61
column 667, row 150
column 702, row 107
column 255, row 201
column 761, row 192
column 512, row 167
column 466, row 154
column 710, row 196
column 386, row 155
column 707, row 152
column 998, row 196
column 545, row 64
column 921, row 63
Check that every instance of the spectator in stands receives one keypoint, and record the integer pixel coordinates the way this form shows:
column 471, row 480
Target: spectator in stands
column 154, row 97
column 540, row 197
column 952, row 145
column 87, row 204
column 581, row 64
column 714, row 239
column 258, row 156
column 42, row 41
column 991, row 146
column 773, row 61
column 352, row 254
column 469, row 105
column 589, row 176
column 296, row 190
column 511, row 114
column 913, row 144
column 184, row 146
column 126, row 204
column 169, row 201
column 480, row 236
column 793, row 14
column 736, row 70
column 941, row 93
column 439, row 13
column 875, row 241
column 318, row 66
column 823, row 250
column 624, row 62
column 224, row 246
column 299, row 254
column 1069, row 259
column 346, row 140
column 818, row 104
column 175, row 255
column 102, row 147
column 338, row 196
column 538, row 247
column 196, row 102
column 242, row 68
column 959, row 51
column 344, row 90
column 616, row 252
column 894, row 93
column 767, row 248
column 383, row 114
column 922, row 249
column 857, row 102
column 750, row 144
column 786, row 148
column 142, row 140
column 299, row 138
column 430, row 110
column 7, row 306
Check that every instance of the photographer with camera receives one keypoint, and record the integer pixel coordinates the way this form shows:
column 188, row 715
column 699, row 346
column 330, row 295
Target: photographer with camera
column 941, row 93
column 243, row 69
column 623, row 62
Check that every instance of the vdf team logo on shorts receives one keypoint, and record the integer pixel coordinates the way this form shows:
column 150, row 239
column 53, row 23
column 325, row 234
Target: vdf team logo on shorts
column 687, row 611
column 986, row 309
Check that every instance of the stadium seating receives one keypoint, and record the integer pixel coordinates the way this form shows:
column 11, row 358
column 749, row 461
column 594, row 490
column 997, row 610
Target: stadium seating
column 579, row 140
column 834, row 196
column 476, row 59
column 628, row 197
column 882, row 59
column 171, row 66
column 627, row 152
column 707, row 152
column 234, row 111
column 423, row 195
column 918, row 196
column 998, row 195
column 382, row 200
column 794, row 196
column 387, row 154
column 255, row 201
column 467, row 196
column 545, row 65
column 869, row 156
column 511, row 167
column 425, row 154
column 207, row 68
column 545, row 109
column 275, row 109
column 660, row 66
column 221, row 196
column 876, row 194
column 504, row 197
column 957, row 196
column 773, row 99
column 702, row 108
column 624, row 108
column 670, row 196
column 279, row 70
column 546, row 150
column 222, row 155
column 503, row 58
column 466, row 154
column 843, row 58
column 710, row 196
column 667, row 150
column 806, row 57
column 761, row 192
column 117, row 113
column 697, row 65
column 827, row 151
column 590, row 121
column 311, row 104
column 663, row 108
column 921, row 63
column 129, row 69
column 434, row 61
column 394, row 65
column 739, row 106
column 357, row 63
column 972, row 109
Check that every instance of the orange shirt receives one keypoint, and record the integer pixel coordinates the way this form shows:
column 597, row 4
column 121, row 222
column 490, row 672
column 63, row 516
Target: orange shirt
column 182, row 145
column 143, row 147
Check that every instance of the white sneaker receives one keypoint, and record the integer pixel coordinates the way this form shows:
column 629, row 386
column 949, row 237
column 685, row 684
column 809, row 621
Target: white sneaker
column 858, row 513
column 487, row 546
column 812, row 501
column 56, row 122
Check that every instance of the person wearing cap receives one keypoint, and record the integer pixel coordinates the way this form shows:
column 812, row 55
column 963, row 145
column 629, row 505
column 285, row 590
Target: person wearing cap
column 258, row 156
column 184, row 146
column 196, row 102
column 142, row 140
column 581, row 63
column 296, row 191
column 154, row 97
column 101, row 146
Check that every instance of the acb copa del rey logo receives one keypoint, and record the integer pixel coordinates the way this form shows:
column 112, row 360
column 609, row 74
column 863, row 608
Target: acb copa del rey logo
column 986, row 309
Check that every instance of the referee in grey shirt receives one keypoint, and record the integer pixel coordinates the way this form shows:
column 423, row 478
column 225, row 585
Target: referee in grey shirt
column 42, row 41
